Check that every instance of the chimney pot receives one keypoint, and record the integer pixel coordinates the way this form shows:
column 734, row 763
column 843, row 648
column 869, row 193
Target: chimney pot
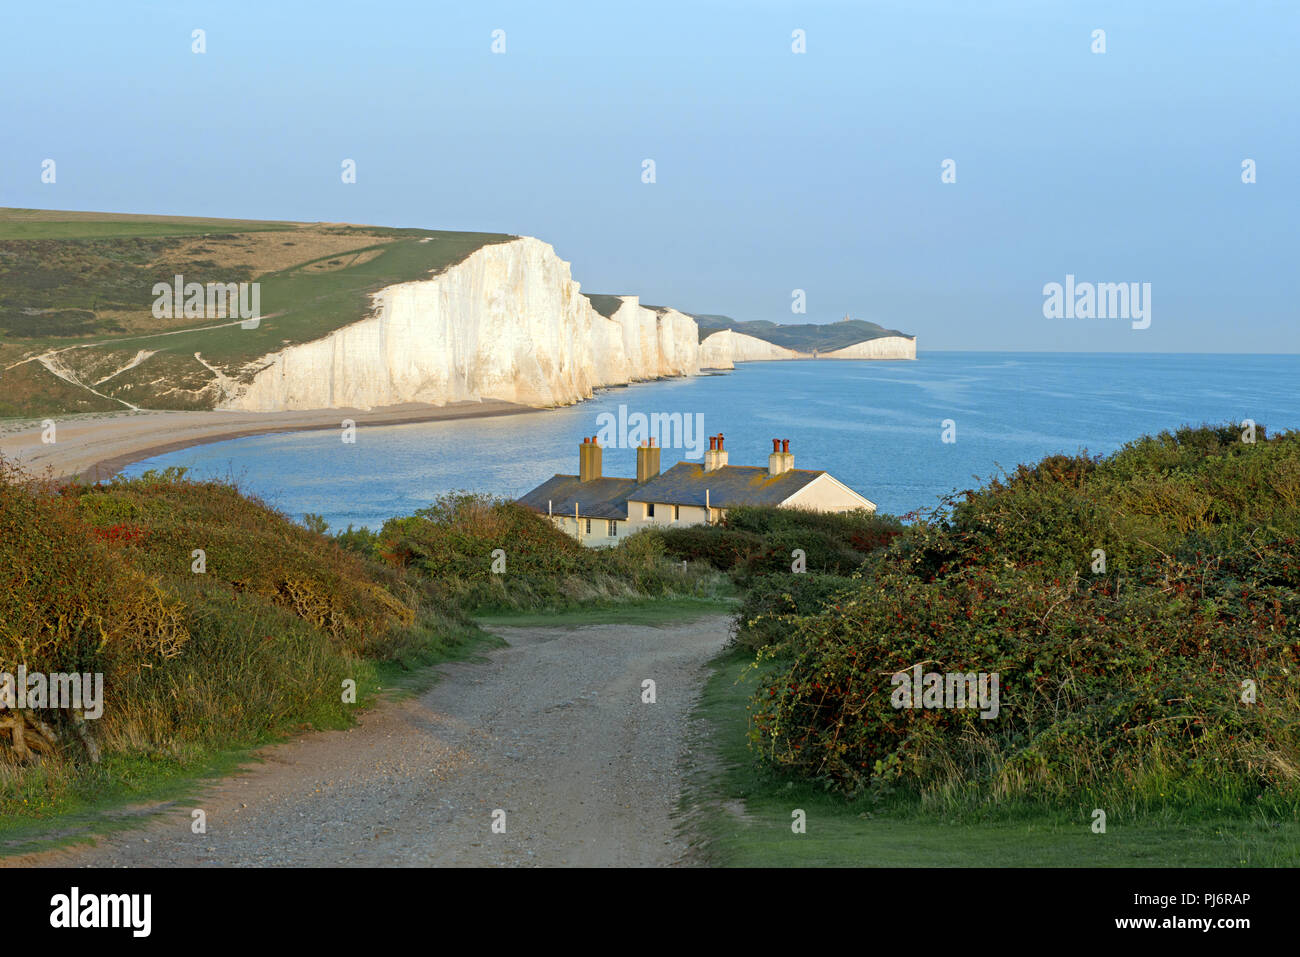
column 776, row 445
column 713, row 443
column 719, row 441
column 785, row 445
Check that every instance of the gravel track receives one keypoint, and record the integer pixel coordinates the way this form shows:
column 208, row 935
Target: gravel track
column 551, row 729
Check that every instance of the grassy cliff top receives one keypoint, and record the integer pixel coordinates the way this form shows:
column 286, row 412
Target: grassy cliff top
column 76, row 294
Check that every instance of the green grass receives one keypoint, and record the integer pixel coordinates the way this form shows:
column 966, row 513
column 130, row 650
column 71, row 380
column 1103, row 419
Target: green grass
column 662, row 611
column 742, row 817
column 60, row 224
column 417, row 672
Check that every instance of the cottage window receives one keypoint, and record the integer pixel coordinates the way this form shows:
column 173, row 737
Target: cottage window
column 677, row 512
column 588, row 526
column 649, row 509
column 613, row 529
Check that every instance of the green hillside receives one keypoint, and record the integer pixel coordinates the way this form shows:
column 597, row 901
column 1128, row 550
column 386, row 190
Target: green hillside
column 76, row 294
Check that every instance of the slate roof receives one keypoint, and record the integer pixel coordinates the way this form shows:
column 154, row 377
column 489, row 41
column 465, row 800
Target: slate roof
column 600, row 498
column 685, row 484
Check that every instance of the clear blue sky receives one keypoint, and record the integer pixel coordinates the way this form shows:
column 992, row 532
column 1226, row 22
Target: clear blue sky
column 775, row 171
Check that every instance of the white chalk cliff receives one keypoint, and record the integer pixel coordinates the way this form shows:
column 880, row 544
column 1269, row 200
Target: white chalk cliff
column 722, row 350
column 886, row 347
column 509, row 323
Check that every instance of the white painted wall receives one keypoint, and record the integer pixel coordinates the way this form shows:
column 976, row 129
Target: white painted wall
column 598, row 537
column 826, row 494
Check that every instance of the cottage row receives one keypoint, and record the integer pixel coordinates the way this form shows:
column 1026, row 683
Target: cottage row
column 599, row 511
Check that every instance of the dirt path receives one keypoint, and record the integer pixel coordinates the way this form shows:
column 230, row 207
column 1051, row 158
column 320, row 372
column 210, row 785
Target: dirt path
column 552, row 730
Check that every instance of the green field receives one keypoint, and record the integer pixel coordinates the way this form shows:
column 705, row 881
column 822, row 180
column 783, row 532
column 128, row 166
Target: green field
column 742, row 816
column 32, row 224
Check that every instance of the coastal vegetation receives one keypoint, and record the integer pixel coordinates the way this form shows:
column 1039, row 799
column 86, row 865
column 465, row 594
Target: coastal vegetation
column 741, row 812
column 1142, row 611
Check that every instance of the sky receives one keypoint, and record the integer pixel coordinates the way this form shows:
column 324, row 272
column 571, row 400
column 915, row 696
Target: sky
column 774, row 171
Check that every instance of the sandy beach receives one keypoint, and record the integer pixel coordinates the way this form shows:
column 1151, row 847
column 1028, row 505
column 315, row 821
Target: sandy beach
column 97, row 446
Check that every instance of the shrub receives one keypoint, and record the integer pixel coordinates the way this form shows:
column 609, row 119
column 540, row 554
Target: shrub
column 249, row 547
column 99, row 579
column 774, row 604
column 1126, row 683
column 721, row 547
column 755, row 540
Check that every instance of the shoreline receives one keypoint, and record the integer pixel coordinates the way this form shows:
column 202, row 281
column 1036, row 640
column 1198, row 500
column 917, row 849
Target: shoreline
column 96, row 446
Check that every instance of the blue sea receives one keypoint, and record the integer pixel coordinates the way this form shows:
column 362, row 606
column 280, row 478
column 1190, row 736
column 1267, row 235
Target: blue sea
column 876, row 426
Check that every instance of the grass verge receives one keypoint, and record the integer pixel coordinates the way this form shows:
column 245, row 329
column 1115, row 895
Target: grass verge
column 655, row 611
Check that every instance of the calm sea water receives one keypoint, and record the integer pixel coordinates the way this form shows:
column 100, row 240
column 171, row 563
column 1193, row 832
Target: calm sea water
column 876, row 426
